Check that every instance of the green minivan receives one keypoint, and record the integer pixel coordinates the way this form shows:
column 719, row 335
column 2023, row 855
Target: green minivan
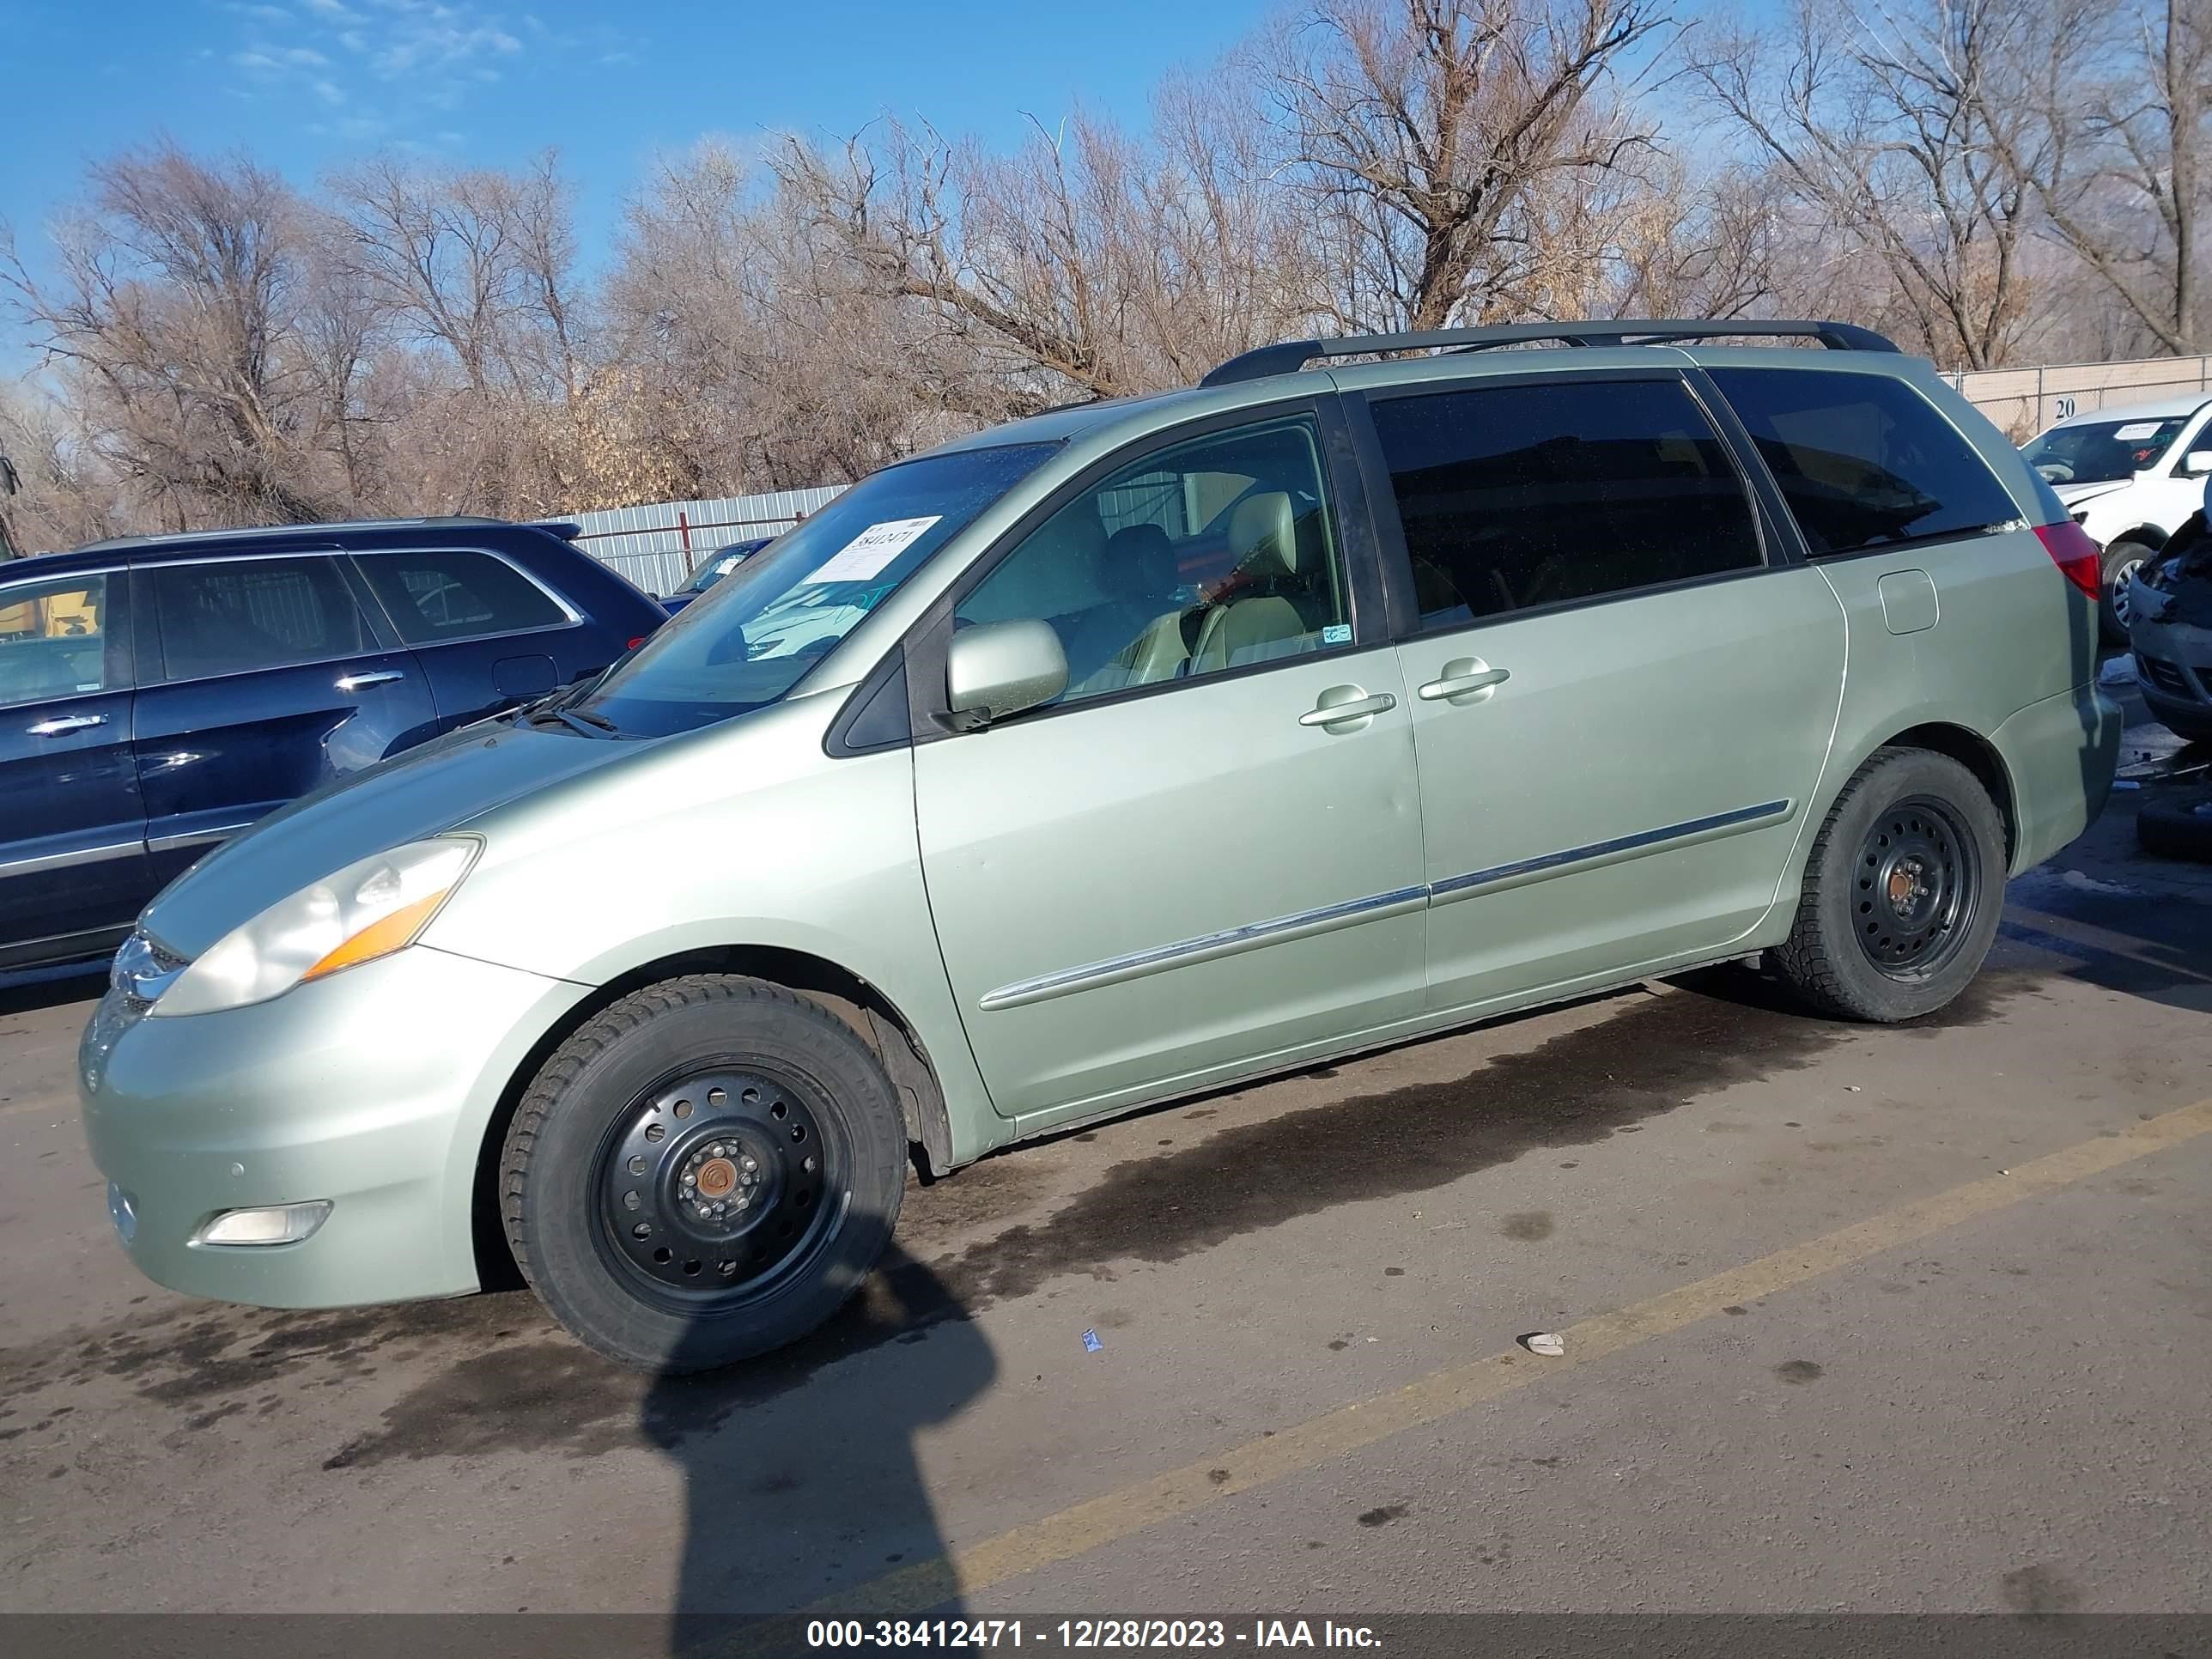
column 1371, row 688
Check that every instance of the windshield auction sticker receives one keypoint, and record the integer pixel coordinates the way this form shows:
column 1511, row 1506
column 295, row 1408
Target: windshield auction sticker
column 863, row 558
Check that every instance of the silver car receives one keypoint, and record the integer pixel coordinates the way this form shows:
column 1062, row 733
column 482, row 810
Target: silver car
column 1120, row 753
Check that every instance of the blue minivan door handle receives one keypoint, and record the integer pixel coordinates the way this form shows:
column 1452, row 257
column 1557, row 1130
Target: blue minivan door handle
column 54, row 726
column 382, row 676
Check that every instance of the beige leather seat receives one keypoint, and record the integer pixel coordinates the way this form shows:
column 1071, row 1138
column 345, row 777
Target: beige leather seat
column 1263, row 545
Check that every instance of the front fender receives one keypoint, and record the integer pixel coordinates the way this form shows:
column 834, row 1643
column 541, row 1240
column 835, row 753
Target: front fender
column 744, row 834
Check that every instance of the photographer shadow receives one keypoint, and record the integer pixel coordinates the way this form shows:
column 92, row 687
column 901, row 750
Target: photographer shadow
column 802, row 1477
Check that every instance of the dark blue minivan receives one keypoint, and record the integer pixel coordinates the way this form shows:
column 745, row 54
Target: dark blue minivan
column 157, row 694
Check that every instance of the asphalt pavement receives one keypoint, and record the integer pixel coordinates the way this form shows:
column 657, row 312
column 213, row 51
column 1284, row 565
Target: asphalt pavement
column 1899, row 1320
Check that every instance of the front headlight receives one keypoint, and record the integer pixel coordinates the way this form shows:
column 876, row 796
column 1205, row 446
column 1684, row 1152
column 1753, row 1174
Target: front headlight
column 367, row 910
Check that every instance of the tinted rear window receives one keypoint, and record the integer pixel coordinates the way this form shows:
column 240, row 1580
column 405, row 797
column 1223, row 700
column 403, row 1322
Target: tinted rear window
column 233, row 616
column 1522, row 495
column 1864, row 460
column 451, row 594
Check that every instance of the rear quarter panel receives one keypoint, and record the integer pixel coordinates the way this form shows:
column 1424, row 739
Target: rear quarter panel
column 2010, row 634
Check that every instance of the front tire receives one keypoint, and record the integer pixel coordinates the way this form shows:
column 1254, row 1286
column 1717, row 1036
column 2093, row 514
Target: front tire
column 704, row 1171
column 1903, row 892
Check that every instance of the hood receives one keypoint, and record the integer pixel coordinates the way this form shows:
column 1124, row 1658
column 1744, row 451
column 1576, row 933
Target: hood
column 425, row 792
column 2076, row 495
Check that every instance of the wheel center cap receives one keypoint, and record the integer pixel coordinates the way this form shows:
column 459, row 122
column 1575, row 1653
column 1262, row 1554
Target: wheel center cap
column 1904, row 886
column 718, row 1177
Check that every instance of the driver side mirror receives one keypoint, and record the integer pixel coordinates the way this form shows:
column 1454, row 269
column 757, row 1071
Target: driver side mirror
column 996, row 669
column 2197, row 463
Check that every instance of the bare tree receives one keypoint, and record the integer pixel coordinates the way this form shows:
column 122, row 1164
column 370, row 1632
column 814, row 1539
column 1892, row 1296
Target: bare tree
column 1883, row 126
column 1423, row 134
column 172, row 321
column 2118, row 146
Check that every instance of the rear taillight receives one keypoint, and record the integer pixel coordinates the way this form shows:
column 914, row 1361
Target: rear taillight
column 635, row 643
column 2079, row 559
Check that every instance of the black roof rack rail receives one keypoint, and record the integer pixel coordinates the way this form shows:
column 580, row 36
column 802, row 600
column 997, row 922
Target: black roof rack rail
column 1292, row 355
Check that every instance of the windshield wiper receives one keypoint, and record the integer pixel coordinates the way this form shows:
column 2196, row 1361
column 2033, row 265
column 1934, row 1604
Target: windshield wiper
column 591, row 726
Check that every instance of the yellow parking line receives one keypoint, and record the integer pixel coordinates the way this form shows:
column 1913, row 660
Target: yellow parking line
column 1116, row 1515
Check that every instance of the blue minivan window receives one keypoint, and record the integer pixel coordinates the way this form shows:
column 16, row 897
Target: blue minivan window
column 229, row 616
column 453, row 594
column 751, row 637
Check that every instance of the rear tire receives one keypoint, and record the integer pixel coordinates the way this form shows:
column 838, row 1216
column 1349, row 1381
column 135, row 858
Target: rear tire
column 704, row 1171
column 1903, row 892
column 2119, row 565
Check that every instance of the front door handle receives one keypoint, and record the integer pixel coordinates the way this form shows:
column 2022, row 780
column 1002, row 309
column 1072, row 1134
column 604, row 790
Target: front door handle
column 61, row 723
column 1357, row 708
column 1462, row 676
column 381, row 677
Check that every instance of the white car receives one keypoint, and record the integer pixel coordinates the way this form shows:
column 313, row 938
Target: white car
column 2129, row 476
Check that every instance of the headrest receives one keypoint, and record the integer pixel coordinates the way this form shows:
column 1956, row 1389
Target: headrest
column 1066, row 568
column 1263, row 535
column 1141, row 560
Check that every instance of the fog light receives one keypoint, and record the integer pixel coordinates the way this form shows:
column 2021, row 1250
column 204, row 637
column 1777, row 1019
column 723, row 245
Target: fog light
column 281, row 1223
column 123, row 1211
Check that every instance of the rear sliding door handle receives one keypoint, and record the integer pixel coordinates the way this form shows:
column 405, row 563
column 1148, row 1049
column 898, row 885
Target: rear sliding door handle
column 1358, row 708
column 382, row 676
column 61, row 723
column 1462, row 676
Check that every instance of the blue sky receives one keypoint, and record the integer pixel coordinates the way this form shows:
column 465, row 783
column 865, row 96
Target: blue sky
column 306, row 83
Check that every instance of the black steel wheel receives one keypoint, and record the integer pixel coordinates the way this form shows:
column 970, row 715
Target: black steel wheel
column 704, row 1171
column 716, row 1184
column 1902, row 892
column 1917, row 878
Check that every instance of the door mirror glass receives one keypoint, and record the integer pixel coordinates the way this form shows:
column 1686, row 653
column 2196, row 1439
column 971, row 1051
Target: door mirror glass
column 2197, row 463
column 996, row 669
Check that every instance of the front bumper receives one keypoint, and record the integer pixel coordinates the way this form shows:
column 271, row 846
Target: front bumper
column 2060, row 754
column 371, row 1090
column 2173, row 671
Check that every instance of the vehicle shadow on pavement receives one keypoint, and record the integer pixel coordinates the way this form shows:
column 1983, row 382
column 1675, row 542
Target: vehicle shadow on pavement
column 35, row 992
column 792, row 1499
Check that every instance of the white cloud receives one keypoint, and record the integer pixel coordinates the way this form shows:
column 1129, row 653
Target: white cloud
column 406, row 57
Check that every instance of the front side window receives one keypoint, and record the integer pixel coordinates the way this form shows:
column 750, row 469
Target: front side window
column 754, row 634
column 232, row 616
column 453, row 595
column 2102, row 452
column 1864, row 460
column 1215, row 554
column 1515, row 496
column 53, row 639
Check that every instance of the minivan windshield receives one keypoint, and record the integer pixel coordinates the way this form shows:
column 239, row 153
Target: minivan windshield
column 752, row 635
column 2101, row 452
